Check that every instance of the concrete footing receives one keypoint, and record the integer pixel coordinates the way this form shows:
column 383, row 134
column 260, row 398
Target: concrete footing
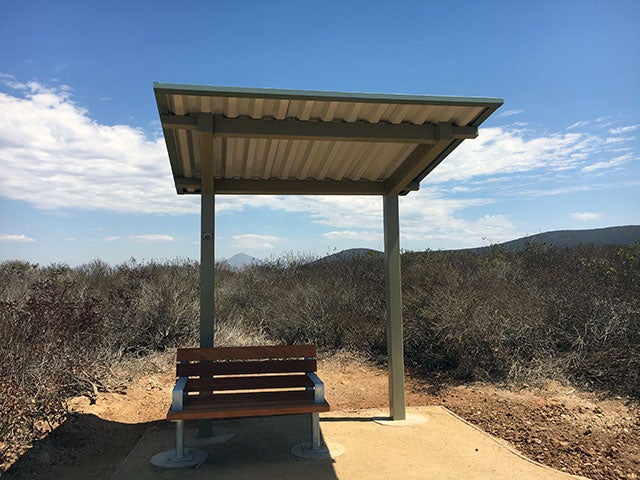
column 192, row 458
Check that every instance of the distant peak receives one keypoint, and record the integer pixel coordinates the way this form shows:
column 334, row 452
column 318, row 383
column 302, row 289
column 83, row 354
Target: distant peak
column 241, row 260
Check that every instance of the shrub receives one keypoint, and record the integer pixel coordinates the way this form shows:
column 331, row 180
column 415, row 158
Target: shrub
column 570, row 314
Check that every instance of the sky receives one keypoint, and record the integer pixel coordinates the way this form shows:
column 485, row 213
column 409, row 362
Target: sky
column 85, row 171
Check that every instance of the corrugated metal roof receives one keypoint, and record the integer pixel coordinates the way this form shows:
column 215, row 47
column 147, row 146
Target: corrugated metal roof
column 285, row 141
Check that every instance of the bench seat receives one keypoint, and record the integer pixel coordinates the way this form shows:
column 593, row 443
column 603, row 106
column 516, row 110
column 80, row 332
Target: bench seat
column 236, row 405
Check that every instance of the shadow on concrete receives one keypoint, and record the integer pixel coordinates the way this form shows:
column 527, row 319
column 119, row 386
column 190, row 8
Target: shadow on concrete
column 260, row 449
column 88, row 447
column 85, row 446
column 347, row 419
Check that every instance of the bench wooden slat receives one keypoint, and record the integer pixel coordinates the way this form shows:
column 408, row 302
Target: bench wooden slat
column 248, row 367
column 218, row 400
column 254, row 410
column 247, row 383
column 246, row 353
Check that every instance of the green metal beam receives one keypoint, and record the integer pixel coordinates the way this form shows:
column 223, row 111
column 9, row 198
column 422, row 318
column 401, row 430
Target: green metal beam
column 315, row 130
column 443, row 153
column 421, row 159
column 288, row 187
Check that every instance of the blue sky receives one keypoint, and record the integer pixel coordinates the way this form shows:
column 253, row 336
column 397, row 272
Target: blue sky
column 85, row 172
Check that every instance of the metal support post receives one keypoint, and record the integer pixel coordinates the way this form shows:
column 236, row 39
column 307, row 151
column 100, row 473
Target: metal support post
column 207, row 246
column 395, row 348
column 207, row 271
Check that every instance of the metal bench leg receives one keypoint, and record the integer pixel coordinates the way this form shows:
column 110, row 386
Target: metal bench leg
column 179, row 458
column 180, row 439
column 316, row 441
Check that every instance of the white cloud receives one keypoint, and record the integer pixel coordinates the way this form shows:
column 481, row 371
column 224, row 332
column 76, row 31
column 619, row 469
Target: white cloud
column 335, row 211
column 460, row 233
column 111, row 238
column 428, row 218
column 151, row 237
column 604, row 120
column 53, row 155
column 426, row 215
column 510, row 113
column 525, row 156
column 581, row 123
column 8, row 237
column 365, row 236
column 615, row 162
column 254, row 241
column 501, row 151
column 627, row 129
column 586, row 216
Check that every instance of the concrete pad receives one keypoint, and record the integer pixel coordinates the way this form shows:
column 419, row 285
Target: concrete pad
column 445, row 447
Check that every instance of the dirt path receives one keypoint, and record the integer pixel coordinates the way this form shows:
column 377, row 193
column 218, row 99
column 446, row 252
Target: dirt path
column 558, row 426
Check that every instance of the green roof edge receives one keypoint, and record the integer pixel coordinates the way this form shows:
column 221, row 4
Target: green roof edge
column 220, row 91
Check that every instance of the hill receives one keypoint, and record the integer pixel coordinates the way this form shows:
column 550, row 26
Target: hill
column 598, row 237
column 348, row 254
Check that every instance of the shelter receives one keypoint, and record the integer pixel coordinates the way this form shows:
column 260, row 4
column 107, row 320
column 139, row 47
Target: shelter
column 227, row 140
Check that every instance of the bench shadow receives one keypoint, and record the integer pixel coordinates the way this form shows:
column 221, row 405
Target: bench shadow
column 89, row 447
column 260, row 449
column 346, row 419
column 84, row 446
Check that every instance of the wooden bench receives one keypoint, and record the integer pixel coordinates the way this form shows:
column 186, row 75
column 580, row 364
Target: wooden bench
column 233, row 382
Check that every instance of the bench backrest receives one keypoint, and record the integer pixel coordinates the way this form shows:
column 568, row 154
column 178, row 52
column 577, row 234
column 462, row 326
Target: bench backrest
column 246, row 368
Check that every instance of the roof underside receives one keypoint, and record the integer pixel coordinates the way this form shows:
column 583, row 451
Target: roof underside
column 264, row 141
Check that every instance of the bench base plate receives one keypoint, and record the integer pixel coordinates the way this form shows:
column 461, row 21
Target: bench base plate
column 167, row 459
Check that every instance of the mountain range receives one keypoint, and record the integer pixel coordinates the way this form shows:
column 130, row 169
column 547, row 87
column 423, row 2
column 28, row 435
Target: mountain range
column 599, row 237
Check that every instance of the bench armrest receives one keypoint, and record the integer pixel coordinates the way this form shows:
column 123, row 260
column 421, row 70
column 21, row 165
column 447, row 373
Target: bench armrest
column 178, row 393
column 318, row 387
